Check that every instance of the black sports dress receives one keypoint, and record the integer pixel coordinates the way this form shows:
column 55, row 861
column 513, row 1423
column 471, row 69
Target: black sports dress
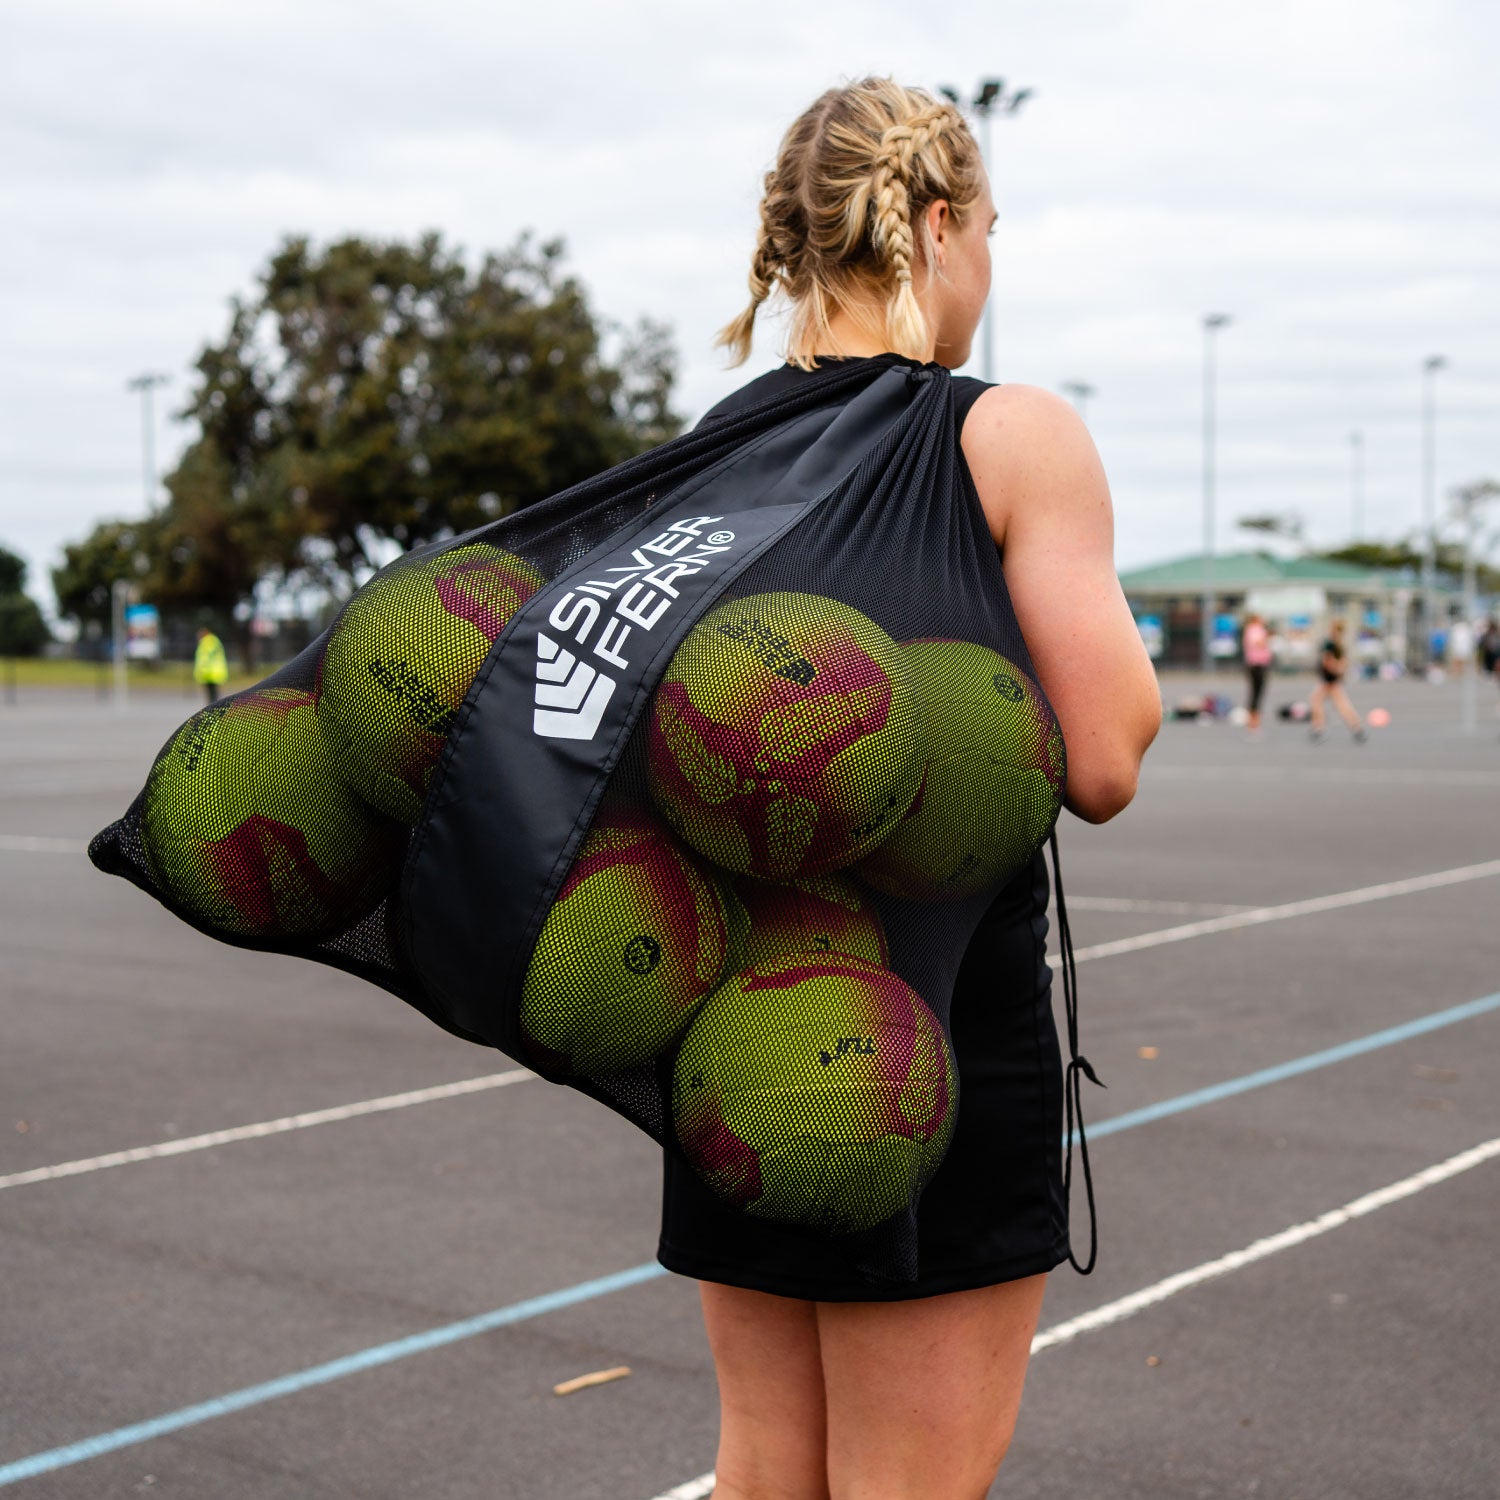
column 996, row 1209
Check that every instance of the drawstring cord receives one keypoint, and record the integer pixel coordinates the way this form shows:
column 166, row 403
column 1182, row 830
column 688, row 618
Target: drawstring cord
column 1077, row 1070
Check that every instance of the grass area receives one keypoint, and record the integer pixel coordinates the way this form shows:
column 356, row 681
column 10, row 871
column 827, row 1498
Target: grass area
column 91, row 676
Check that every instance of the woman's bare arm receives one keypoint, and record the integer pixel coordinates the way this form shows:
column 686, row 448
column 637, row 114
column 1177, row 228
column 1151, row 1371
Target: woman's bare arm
column 1047, row 502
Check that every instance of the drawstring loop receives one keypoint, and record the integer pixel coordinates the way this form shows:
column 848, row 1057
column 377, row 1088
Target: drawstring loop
column 1077, row 1070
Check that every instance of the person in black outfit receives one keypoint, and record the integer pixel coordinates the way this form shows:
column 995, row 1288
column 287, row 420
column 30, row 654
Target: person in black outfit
column 1332, row 664
column 874, row 226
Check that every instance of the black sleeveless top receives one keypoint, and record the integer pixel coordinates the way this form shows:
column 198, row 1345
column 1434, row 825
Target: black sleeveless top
column 996, row 1210
column 966, row 391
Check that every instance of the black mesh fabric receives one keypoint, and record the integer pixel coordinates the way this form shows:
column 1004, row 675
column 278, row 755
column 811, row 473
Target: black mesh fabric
column 686, row 788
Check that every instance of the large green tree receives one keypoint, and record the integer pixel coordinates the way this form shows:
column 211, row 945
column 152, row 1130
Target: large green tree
column 384, row 392
column 23, row 630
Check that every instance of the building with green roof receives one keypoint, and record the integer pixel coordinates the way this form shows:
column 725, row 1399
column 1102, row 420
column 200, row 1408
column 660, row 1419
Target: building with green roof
column 1298, row 597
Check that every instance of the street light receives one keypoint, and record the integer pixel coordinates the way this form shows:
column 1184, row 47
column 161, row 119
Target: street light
column 145, row 384
column 1356, row 485
column 990, row 99
column 119, row 594
column 1430, row 366
column 1212, row 323
column 1080, row 391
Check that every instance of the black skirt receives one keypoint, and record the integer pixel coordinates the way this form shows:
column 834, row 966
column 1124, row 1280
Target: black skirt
column 995, row 1210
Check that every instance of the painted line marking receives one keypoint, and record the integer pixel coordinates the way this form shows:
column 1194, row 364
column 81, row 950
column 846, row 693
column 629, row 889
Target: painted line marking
column 1325, row 775
column 1166, row 908
column 1297, row 1066
column 1298, row 1234
column 21, row 843
column 337, row 1369
column 266, row 1127
column 1259, row 915
column 384, row 1353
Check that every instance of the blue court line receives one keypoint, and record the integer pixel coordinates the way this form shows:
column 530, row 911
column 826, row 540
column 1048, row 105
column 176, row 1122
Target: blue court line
column 518, row 1312
column 1211, row 1095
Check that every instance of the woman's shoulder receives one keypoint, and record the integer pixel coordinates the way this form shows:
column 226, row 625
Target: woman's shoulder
column 1024, row 446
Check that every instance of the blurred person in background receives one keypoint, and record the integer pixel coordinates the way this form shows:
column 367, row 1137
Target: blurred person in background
column 1460, row 647
column 1489, row 649
column 210, row 665
column 1333, row 662
column 1255, row 648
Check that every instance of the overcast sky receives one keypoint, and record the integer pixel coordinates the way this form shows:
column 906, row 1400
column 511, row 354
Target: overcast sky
column 1324, row 170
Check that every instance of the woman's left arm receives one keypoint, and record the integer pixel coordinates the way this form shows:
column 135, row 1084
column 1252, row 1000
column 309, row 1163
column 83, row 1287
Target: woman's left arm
column 1044, row 492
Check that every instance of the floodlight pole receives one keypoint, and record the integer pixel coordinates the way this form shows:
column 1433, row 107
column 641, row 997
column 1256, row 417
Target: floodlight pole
column 145, row 384
column 119, row 594
column 990, row 96
column 1079, row 392
column 1430, row 366
column 1212, row 323
column 1356, row 485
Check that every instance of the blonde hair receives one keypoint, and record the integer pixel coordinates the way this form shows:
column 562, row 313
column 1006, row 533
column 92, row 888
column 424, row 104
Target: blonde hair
column 852, row 175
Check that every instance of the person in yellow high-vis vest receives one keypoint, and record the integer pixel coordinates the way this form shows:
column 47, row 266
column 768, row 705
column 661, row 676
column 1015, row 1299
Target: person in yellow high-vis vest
column 210, row 665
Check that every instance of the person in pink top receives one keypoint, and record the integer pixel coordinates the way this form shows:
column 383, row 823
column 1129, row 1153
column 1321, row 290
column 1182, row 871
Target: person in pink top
column 1255, row 647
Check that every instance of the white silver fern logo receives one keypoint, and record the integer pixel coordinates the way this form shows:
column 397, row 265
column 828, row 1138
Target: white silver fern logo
column 571, row 696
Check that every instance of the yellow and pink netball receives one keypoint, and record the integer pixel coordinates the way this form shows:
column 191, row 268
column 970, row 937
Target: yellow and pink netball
column 785, row 738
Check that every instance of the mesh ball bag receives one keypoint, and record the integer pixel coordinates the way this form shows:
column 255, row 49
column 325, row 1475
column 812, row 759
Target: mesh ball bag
column 685, row 788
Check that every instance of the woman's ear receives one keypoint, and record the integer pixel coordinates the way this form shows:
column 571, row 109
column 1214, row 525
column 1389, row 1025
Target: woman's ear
column 939, row 222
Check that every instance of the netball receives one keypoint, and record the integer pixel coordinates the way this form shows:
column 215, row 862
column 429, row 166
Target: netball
column 400, row 660
column 818, row 914
column 636, row 938
column 817, row 1091
column 993, row 781
column 246, row 826
column 784, row 736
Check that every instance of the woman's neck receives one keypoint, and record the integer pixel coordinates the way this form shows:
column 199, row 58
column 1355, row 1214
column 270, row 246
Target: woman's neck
column 850, row 337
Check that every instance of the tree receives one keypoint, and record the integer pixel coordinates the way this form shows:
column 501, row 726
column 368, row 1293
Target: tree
column 382, row 392
column 1406, row 556
column 112, row 551
column 23, row 631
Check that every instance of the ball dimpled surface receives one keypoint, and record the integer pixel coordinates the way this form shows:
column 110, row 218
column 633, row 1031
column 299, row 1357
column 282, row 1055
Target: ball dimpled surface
column 246, row 826
column 784, row 736
column 816, row 1089
column 817, row 914
column 400, row 660
column 992, row 785
column 634, row 941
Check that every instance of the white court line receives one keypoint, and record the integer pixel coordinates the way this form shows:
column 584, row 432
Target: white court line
column 265, row 1128
column 1299, row 1234
column 1337, row 775
column 1259, row 915
column 21, row 843
column 1165, row 908
column 1253, row 917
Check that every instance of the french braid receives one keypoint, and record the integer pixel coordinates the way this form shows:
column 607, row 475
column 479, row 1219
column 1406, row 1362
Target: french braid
column 836, row 218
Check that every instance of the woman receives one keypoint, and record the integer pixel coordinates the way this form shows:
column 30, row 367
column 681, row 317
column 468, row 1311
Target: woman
column 874, row 225
column 1332, row 664
column 1255, row 647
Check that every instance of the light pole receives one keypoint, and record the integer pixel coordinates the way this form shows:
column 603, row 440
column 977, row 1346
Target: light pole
column 145, row 384
column 1079, row 391
column 119, row 594
column 1212, row 323
column 990, row 97
column 1430, row 366
column 1356, row 484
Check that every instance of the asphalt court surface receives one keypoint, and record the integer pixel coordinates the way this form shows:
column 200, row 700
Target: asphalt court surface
column 1359, row 1362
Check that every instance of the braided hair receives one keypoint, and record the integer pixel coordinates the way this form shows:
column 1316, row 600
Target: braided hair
column 853, row 174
